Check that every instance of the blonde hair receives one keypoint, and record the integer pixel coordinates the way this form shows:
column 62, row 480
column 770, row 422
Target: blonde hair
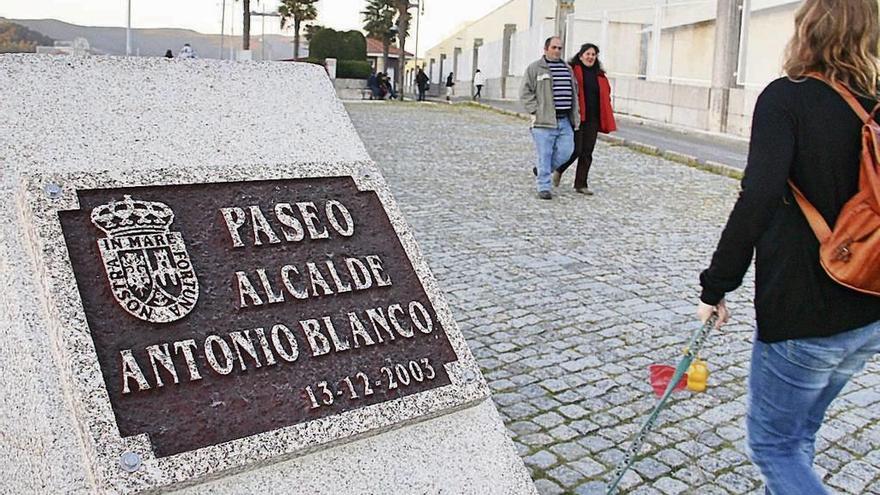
column 838, row 39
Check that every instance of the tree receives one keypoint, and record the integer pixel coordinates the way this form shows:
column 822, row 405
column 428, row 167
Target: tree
column 299, row 11
column 378, row 21
column 15, row 38
column 403, row 18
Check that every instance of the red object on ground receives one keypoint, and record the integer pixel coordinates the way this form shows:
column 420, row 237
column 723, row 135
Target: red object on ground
column 661, row 374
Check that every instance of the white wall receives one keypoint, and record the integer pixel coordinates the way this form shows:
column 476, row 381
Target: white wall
column 490, row 59
column 527, row 46
column 769, row 32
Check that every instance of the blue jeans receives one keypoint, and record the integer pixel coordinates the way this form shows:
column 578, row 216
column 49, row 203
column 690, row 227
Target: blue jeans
column 554, row 147
column 791, row 384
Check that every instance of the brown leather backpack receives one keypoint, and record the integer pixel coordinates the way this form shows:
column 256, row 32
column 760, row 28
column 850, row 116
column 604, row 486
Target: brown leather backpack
column 850, row 253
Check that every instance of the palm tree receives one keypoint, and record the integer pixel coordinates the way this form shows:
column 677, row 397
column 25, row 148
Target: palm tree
column 299, row 11
column 379, row 19
column 403, row 17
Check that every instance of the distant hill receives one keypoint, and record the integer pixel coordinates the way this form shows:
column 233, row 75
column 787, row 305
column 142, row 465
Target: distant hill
column 15, row 38
column 154, row 42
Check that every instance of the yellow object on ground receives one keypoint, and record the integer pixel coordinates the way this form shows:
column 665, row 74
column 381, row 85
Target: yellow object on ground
column 697, row 376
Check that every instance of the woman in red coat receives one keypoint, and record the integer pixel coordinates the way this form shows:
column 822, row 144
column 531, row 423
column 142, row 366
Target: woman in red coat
column 594, row 97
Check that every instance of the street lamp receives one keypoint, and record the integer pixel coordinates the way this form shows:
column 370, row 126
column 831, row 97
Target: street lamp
column 264, row 15
column 128, row 30
column 420, row 9
column 222, row 26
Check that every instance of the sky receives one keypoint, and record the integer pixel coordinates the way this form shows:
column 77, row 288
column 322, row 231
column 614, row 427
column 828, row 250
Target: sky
column 441, row 17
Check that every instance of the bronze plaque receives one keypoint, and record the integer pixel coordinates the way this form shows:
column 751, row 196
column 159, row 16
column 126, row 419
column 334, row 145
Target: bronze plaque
column 225, row 310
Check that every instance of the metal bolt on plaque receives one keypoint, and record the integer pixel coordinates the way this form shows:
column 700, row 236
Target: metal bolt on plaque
column 130, row 462
column 53, row 191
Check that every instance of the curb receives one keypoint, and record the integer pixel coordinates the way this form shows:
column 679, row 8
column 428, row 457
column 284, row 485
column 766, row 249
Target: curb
column 674, row 156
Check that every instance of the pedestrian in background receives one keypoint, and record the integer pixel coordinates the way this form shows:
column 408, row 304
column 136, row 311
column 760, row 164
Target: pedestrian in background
column 450, row 83
column 387, row 86
column 422, row 83
column 373, row 84
column 186, row 52
column 813, row 334
column 547, row 92
column 479, row 82
column 596, row 115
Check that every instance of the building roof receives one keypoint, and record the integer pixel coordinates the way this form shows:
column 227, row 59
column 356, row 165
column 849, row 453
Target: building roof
column 374, row 48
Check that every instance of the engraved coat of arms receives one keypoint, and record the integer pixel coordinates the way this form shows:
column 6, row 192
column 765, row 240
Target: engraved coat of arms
column 149, row 270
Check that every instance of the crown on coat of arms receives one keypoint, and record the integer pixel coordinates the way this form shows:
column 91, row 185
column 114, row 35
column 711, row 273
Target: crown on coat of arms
column 132, row 216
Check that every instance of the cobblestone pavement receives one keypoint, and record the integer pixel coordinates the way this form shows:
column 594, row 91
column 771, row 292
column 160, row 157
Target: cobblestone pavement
column 566, row 302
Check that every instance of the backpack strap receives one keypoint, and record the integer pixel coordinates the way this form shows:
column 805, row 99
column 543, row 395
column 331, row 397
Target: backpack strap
column 847, row 96
column 814, row 218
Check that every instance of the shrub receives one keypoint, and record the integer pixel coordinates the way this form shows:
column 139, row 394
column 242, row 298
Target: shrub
column 330, row 43
column 353, row 69
column 354, row 46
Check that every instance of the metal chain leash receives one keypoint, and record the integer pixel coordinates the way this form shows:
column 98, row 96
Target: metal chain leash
column 694, row 346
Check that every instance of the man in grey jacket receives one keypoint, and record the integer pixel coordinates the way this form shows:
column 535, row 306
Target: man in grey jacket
column 549, row 92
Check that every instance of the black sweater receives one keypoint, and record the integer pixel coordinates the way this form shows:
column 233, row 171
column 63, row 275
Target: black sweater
column 803, row 130
column 591, row 91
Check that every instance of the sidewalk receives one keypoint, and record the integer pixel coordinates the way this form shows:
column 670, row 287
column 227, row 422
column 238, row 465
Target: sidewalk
column 712, row 151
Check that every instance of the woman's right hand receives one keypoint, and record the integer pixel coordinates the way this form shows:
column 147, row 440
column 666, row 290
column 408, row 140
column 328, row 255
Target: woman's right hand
column 705, row 311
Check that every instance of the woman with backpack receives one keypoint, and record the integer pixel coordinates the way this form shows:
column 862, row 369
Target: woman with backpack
column 814, row 332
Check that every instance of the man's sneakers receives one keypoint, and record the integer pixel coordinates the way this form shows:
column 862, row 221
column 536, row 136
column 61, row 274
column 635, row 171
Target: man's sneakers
column 545, row 195
column 583, row 190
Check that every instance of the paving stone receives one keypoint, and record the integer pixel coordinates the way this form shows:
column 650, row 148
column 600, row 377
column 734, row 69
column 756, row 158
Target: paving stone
column 507, row 399
column 548, row 420
column 542, row 459
column 584, row 427
column 645, row 490
column 847, row 483
column 670, row 486
column 554, row 385
column 595, row 444
column 590, row 488
column 735, row 483
column 573, row 411
column 587, row 467
column 564, row 433
column 650, row 468
column 547, row 487
column 523, row 427
column 565, row 476
column 569, row 451
column 672, row 457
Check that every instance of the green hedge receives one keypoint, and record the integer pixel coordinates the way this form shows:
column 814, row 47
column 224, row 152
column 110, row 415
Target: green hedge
column 346, row 69
column 353, row 69
column 341, row 45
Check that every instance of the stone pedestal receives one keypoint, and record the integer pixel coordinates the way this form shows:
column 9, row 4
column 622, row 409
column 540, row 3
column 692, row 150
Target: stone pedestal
column 215, row 292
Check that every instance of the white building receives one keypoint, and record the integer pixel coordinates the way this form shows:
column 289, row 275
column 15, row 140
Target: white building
column 79, row 47
column 660, row 54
